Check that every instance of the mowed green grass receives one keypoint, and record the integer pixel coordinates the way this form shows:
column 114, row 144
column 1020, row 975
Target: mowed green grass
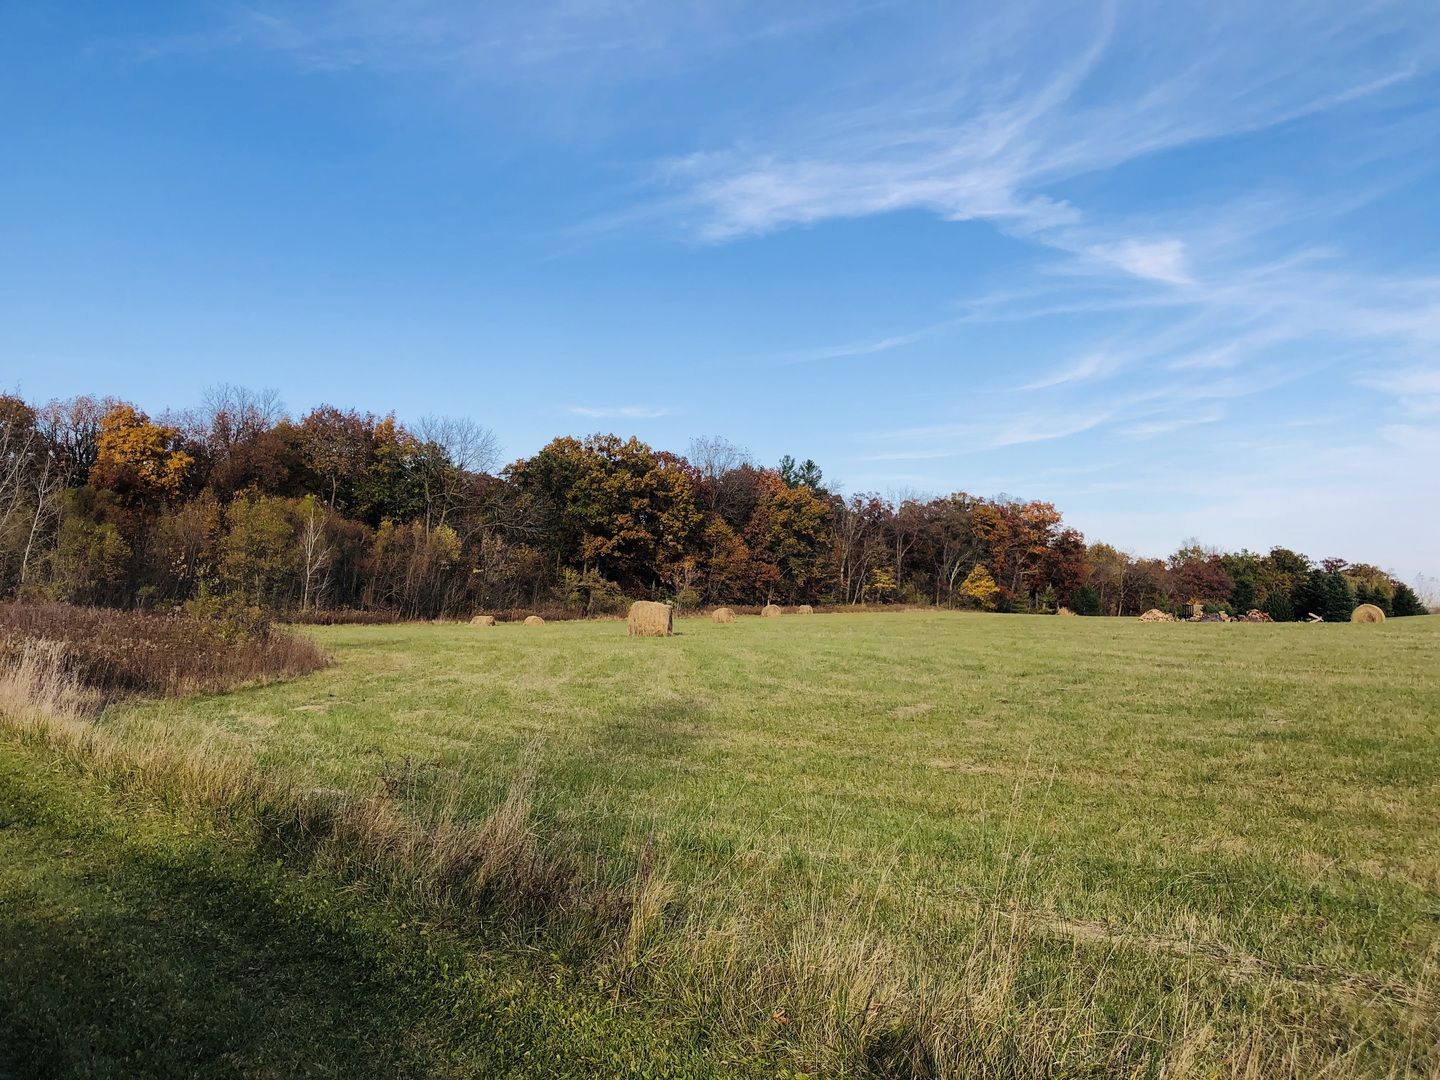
column 1250, row 810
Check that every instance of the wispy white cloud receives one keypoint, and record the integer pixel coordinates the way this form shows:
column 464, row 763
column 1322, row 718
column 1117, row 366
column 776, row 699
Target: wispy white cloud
column 1157, row 260
column 618, row 412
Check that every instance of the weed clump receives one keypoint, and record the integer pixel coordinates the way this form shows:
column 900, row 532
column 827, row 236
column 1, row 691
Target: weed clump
column 211, row 646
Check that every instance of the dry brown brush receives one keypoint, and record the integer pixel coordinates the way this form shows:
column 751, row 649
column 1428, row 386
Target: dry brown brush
column 130, row 652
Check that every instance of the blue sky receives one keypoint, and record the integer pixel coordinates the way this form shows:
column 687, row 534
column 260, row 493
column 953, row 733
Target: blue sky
column 1175, row 267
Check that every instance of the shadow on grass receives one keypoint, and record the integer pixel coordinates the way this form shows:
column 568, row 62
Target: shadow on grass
column 129, row 947
column 120, row 963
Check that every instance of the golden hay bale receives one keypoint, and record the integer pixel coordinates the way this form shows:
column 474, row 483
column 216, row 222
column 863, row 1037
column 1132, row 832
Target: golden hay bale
column 804, row 609
column 483, row 620
column 1156, row 615
column 770, row 611
column 1063, row 611
column 649, row 619
column 1367, row 613
column 534, row 620
column 722, row 614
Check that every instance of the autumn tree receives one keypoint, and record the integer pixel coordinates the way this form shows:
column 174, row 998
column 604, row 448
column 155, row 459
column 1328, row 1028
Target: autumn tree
column 979, row 589
column 617, row 506
column 138, row 460
column 337, row 447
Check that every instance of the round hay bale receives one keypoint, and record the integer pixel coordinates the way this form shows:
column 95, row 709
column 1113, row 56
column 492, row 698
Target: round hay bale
column 649, row 619
column 1367, row 613
column 534, row 620
column 1064, row 611
column 770, row 611
column 804, row 609
column 483, row 620
column 722, row 614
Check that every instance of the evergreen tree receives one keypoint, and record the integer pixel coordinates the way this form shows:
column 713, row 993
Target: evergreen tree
column 1085, row 601
column 1278, row 606
column 1242, row 596
column 1405, row 602
column 1325, row 593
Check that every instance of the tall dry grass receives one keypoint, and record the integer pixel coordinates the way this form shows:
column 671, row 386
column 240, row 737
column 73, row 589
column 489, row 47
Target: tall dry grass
column 819, row 987
column 129, row 652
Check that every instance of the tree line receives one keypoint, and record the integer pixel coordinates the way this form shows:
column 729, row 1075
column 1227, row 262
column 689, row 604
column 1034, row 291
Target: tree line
column 236, row 501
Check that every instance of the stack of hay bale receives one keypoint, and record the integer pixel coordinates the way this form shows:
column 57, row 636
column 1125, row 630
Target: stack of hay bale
column 1156, row 615
column 649, row 619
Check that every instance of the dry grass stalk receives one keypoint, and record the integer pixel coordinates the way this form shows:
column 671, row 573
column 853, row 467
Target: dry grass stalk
column 129, row 652
column 650, row 619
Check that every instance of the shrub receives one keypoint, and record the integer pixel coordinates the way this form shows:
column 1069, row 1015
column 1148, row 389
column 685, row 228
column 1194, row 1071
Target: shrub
column 129, row 652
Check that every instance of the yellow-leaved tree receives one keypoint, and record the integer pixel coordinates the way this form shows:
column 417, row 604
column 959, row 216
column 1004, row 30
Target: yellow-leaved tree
column 979, row 588
column 136, row 459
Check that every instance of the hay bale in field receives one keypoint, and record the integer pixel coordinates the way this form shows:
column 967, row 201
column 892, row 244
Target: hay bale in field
column 1156, row 615
column 483, row 620
column 770, row 611
column 649, row 619
column 804, row 609
column 722, row 614
column 1367, row 613
column 534, row 620
column 1063, row 611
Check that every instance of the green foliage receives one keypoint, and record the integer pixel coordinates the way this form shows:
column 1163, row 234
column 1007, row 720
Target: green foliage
column 806, row 474
column 1326, row 593
column 1279, row 606
column 1086, row 601
column 592, row 594
column 1405, row 602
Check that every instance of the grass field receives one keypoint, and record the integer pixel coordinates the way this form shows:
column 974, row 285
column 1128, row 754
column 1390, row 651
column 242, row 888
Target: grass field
column 907, row 844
